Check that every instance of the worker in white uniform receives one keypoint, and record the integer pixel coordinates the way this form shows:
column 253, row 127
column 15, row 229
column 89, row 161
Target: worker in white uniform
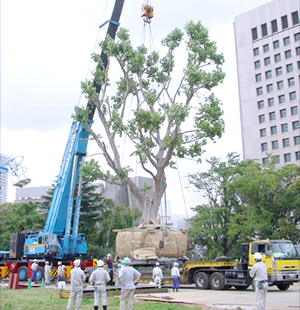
column 157, row 275
column 129, row 278
column 60, row 272
column 100, row 278
column 77, row 280
column 259, row 273
column 47, row 272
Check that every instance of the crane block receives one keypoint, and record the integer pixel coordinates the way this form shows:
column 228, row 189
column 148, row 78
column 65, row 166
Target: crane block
column 147, row 11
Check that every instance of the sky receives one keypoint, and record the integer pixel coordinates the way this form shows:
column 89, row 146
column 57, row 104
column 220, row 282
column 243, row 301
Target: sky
column 45, row 54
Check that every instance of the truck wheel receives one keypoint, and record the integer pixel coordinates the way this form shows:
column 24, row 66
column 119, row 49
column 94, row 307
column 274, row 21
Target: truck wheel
column 202, row 280
column 23, row 272
column 283, row 286
column 217, row 282
column 39, row 273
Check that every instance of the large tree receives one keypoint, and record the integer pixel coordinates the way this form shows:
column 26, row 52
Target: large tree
column 163, row 115
column 245, row 201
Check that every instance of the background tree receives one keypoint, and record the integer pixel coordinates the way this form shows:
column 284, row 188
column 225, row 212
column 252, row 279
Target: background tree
column 245, row 201
column 167, row 120
column 17, row 217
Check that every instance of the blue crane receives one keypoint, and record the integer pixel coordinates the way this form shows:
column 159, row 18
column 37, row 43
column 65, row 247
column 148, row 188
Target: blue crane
column 60, row 238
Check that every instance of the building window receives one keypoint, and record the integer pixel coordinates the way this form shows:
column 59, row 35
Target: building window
column 289, row 68
column 260, row 104
column 263, row 132
column 265, row 160
column 298, row 64
column 268, row 74
column 286, row 142
column 266, row 48
column 295, row 18
column 271, row 102
column 264, row 30
column 283, row 113
column 269, row 88
column 254, row 34
column 297, row 140
column 273, row 130
column 298, row 50
column 291, row 81
column 278, row 71
column 276, row 44
column 286, row 40
column 267, row 61
column 292, row 96
column 288, row 54
column 258, row 77
column 257, row 64
column 275, row 145
column 284, row 127
column 261, row 118
column 294, row 110
column 281, row 98
column 277, row 57
column 264, row 147
column 287, row 157
column 284, row 22
column 272, row 116
column 297, row 155
column 256, row 51
column 274, row 25
column 280, row 84
column 297, row 36
column 259, row 91
column 296, row 125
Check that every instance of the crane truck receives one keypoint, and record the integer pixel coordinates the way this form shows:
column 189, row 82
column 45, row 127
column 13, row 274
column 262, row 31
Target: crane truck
column 60, row 239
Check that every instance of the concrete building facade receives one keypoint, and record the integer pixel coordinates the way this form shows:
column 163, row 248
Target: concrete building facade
column 267, row 42
column 3, row 179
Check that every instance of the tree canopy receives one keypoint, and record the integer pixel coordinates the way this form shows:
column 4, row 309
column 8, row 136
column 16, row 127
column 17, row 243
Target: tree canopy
column 245, row 201
column 162, row 115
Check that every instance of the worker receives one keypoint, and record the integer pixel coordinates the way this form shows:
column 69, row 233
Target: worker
column 77, row 280
column 157, row 275
column 128, row 277
column 110, row 267
column 60, row 272
column 117, row 271
column 100, row 278
column 260, row 275
column 47, row 272
column 175, row 274
column 34, row 268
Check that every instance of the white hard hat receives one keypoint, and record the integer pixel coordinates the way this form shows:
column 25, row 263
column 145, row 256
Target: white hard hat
column 77, row 262
column 175, row 264
column 257, row 256
column 46, row 262
column 157, row 264
column 100, row 263
column 59, row 263
column 34, row 260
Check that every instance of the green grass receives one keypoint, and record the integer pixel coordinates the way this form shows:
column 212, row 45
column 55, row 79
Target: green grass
column 48, row 299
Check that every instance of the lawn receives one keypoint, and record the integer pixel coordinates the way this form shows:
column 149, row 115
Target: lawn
column 49, row 299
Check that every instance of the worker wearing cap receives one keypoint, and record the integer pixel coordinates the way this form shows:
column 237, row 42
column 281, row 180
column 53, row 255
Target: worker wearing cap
column 60, row 272
column 128, row 277
column 100, row 278
column 47, row 272
column 34, row 268
column 175, row 274
column 260, row 275
column 77, row 280
column 110, row 267
column 157, row 275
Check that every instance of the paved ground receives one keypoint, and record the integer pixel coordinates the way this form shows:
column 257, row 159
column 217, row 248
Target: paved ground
column 236, row 300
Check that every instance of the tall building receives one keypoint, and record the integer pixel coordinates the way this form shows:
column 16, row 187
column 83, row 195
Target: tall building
column 3, row 179
column 267, row 42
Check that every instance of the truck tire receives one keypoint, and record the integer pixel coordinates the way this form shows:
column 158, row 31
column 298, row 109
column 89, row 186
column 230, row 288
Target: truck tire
column 202, row 280
column 40, row 273
column 217, row 281
column 283, row 286
column 23, row 273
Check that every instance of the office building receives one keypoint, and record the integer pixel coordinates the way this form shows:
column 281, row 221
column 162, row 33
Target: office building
column 267, row 41
column 3, row 179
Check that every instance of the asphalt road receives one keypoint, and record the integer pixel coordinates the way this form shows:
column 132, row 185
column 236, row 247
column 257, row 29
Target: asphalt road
column 233, row 299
